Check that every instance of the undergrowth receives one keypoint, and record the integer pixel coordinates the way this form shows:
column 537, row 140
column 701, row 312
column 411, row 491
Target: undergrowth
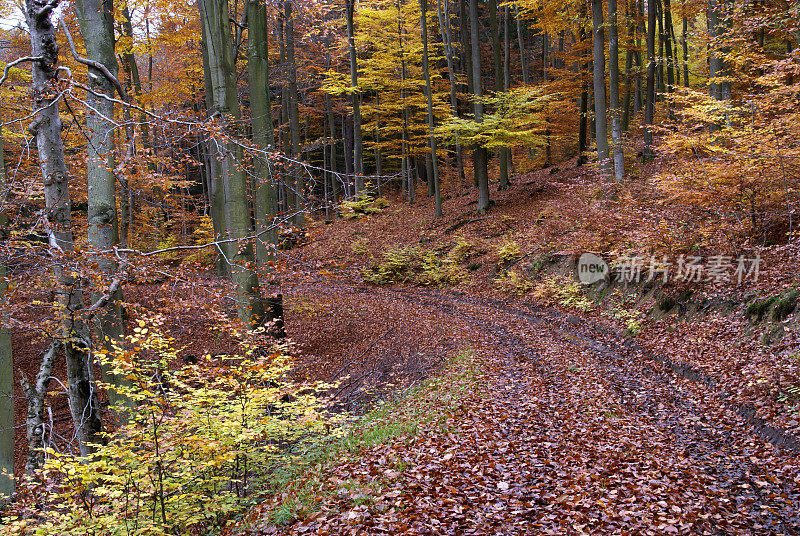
column 512, row 281
column 303, row 485
column 363, row 205
column 198, row 445
column 564, row 291
column 413, row 265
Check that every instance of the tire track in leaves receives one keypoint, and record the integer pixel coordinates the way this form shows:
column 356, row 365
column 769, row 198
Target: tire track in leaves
column 573, row 433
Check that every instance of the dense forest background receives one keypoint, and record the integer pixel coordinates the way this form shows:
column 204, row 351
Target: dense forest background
column 162, row 159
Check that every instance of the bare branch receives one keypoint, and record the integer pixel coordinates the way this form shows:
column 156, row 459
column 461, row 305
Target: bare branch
column 17, row 61
column 94, row 64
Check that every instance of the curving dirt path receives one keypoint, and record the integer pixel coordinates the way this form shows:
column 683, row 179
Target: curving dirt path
column 575, row 431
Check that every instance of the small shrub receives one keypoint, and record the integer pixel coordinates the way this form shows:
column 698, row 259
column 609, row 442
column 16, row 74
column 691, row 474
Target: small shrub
column 514, row 282
column 461, row 251
column 204, row 234
column 380, row 203
column 412, row 265
column 363, row 205
column 436, row 272
column 360, row 246
column 397, row 267
column 564, row 291
column 508, row 253
column 196, row 445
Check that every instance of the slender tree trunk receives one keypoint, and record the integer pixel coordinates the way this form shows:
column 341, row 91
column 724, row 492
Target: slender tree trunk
column 629, row 55
column 669, row 50
column 506, row 86
column 479, row 154
column 6, row 362
column 613, row 83
column 601, row 128
column 294, row 113
column 358, row 144
column 215, row 199
column 96, row 21
column 685, row 45
column 497, row 61
column 423, row 5
column 333, row 165
column 82, row 392
column 650, row 92
column 445, row 29
column 288, row 181
column 266, row 199
column 521, row 41
column 233, row 183
column 583, row 117
column 719, row 88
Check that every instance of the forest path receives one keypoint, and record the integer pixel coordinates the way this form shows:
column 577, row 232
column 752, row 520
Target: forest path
column 573, row 431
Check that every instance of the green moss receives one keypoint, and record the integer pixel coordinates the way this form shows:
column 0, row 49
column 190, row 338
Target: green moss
column 758, row 308
column 784, row 305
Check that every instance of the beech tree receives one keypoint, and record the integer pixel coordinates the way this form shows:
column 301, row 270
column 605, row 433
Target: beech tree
column 232, row 182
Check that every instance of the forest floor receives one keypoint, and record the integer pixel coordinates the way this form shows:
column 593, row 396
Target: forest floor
column 570, row 424
column 564, row 423
column 568, row 429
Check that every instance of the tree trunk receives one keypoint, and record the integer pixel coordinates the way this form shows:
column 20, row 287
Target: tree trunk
column 479, row 154
column 507, row 162
column 521, row 41
column 650, row 92
column 266, row 199
column 233, row 183
column 685, row 44
column 215, row 199
column 294, row 113
column 96, row 21
column 583, row 118
column 46, row 126
column 423, row 5
column 358, row 144
column 613, row 83
column 494, row 30
column 601, row 128
column 447, row 38
column 6, row 362
column 717, row 66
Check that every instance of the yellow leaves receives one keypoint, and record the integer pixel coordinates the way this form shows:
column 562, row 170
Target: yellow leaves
column 188, row 438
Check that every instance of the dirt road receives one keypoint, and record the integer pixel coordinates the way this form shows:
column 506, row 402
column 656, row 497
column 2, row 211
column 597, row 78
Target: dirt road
column 574, row 431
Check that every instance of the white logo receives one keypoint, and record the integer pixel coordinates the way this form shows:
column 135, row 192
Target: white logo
column 592, row 269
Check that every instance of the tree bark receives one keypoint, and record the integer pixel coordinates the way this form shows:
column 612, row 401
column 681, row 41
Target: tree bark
column 583, row 117
column 232, row 181
column 294, row 113
column 266, row 198
column 423, row 5
column 479, row 154
column 613, row 83
column 601, row 127
column 447, row 38
column 96, row 22
column 521, row 41
column 650, row 92
column 82, row 391
column 358, row 144
column 717, row 66
column 685, row 45
column 6, row 362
